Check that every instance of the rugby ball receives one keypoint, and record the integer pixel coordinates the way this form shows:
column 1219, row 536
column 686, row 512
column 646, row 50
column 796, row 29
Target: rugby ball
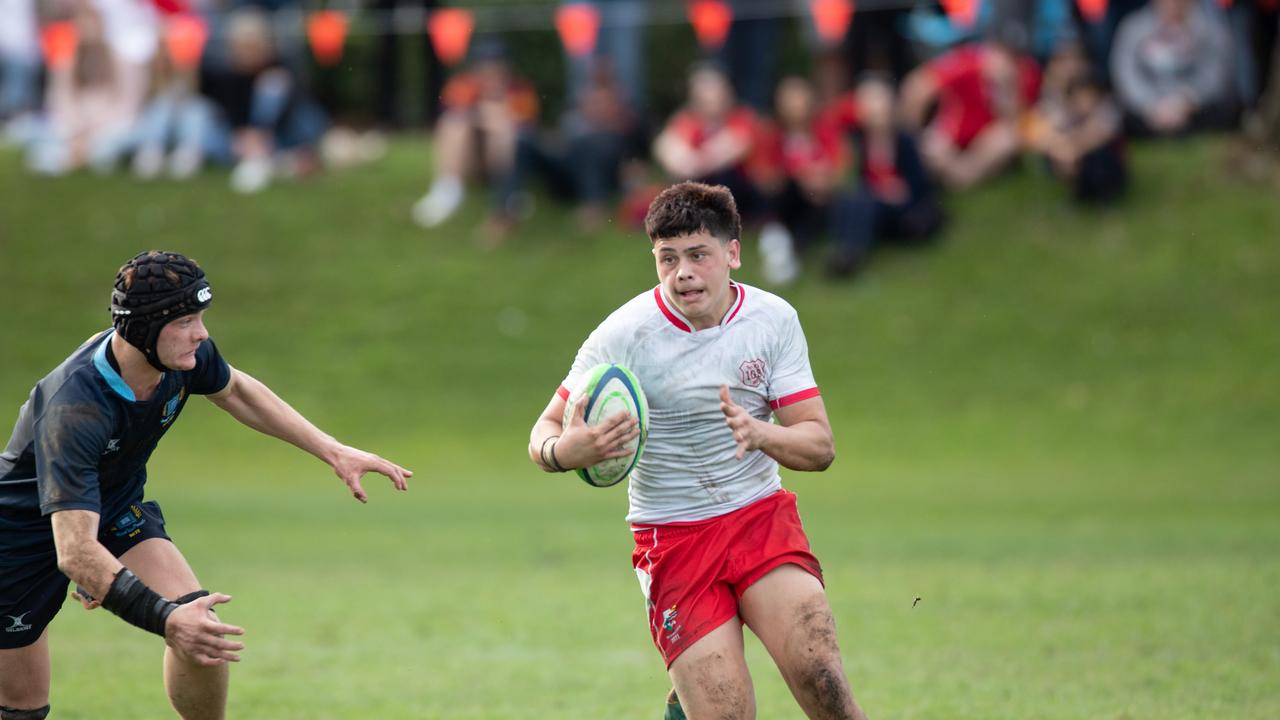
column 607, row 390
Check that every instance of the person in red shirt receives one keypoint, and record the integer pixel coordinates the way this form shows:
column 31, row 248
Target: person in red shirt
column 798, row 162
column 980, row 91
column 485, row 109
column 710, row 139
column 894, row 198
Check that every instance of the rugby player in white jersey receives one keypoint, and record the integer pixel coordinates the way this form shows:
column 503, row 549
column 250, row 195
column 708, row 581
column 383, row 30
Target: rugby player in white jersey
column 719, row 543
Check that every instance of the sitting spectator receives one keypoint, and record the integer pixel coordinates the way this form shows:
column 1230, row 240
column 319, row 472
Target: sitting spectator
column 798, row 164
column 276, row 127
column 980, row 91
column 19, row 69
column 711, row 138
column 178, row 129
column 581, row 163
column 88, row 102
column 894, row 199
column 1171, row 68
column 1078, row 128
column 485, row 110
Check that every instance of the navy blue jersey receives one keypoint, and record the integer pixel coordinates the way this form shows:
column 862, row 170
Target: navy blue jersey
column 82, row 441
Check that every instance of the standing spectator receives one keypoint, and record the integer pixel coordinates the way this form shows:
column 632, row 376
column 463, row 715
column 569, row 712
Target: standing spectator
column 275, row 125
column 894, row 198
column 388, row 87
column 980, row 90
column 750, row 52
column 799, row 164
column 1171, row 68
column 485, row 109
column 709, row 140
column 621, row 46
column 581, row 163
column 19, row 67
column 876, row 42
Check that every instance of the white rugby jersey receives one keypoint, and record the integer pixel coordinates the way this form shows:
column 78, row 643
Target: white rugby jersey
column 688, row 471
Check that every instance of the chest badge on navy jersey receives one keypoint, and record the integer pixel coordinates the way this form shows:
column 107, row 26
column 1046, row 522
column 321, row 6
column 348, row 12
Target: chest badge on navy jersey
column 171, row 407
column 752, row 372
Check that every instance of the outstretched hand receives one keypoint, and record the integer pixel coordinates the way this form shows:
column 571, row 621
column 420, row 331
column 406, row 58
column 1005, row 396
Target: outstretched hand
column 351, row 464
column 746, row 429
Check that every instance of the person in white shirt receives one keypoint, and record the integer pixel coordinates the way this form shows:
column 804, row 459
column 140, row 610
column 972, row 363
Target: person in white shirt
column 719, row 543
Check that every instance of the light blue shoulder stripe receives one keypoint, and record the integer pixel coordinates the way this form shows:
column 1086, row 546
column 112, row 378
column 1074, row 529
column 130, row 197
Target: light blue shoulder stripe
column 113, row 378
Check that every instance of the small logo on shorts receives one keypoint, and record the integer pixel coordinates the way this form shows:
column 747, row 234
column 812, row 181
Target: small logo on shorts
column 130, row 523
column 671, row 625
column 752, row 372
column 18, row 625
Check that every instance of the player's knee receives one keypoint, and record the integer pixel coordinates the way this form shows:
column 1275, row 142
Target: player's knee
column 8, row 713
column 817, row 628
column 717, row 694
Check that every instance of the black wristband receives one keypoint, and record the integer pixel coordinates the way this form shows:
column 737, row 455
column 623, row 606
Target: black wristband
column 137, row 604
column 542, row 453
column 555, row 463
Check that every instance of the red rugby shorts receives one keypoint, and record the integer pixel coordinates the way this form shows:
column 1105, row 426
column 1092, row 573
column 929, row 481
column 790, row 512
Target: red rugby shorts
column 694, row 574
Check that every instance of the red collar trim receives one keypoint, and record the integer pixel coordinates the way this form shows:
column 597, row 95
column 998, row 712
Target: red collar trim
column 742, row 295
column 680, row 323
column 662, row 305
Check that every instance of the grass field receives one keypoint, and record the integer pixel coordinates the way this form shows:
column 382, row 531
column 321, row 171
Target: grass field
column 1057, row 428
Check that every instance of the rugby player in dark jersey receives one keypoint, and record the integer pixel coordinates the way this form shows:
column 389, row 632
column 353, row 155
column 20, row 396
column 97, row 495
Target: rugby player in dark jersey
column 72, row 478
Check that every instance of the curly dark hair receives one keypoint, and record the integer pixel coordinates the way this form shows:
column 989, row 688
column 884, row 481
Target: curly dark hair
column 691, row 207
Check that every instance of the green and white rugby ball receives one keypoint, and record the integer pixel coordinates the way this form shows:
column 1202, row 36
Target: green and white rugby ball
column 609, row 389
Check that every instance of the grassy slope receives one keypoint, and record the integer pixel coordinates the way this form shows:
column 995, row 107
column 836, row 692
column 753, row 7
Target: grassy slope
column 1056, row 428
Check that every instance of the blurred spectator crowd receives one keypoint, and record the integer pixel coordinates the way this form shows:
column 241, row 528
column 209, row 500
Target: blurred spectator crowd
column 907, row 104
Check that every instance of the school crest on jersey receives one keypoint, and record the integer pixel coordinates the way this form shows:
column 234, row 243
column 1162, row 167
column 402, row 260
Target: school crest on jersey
column 171, row 407
column 752, row 372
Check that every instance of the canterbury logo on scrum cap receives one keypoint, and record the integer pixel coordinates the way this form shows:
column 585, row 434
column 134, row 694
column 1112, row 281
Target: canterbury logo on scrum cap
column 204, row 295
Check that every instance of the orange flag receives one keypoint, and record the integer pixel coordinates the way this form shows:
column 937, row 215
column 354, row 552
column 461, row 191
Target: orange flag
column 1093, row 10
column 710, row 20
column 450, row 31
column 832, row 18
column 962, row 12
column 184, row 38
column 578, row 25
column 327, row 33
column 58, row 41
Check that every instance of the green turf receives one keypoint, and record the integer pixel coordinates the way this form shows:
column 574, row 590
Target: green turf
column 1057, row 428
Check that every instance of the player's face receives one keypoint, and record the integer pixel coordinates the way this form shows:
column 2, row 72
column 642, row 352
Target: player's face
column 179, row 341
column 694, row 272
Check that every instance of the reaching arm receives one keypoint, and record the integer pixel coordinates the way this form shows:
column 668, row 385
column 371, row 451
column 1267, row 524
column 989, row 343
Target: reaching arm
column 801, row 440
column 254, row 404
